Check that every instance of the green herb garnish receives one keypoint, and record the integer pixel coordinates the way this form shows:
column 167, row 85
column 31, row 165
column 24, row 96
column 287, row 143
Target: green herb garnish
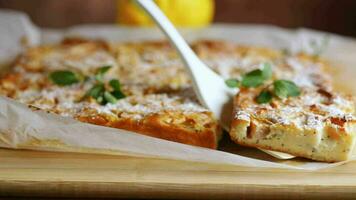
column 101, row 100
column 96, row 91
column 100, row 73
column 257, row 77
column 109, row 97
column 118, row 94
column 285, row 88
column 281, row 88
column 266, row 71
column 64, row 77
column 115, row 84
column 232, row 83
column 101, row 92
column 264, row 97
column 253, row 78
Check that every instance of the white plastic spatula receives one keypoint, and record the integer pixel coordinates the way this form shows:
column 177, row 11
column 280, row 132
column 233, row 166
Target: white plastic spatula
column 210, row 88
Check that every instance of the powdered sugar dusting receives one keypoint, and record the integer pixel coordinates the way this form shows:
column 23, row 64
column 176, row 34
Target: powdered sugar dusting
column 309, row 111
column 85, row 64
column 150, row 104
column 154, row 78
column 242, row 115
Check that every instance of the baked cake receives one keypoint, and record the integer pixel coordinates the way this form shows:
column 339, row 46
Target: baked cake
column 143, row 87
column 158, row 100
column 316, row 123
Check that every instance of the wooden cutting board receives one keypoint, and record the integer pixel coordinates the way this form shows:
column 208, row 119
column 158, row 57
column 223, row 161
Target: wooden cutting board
column 32, row 173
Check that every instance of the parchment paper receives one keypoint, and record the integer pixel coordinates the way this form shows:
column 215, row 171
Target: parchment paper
column 23, row 128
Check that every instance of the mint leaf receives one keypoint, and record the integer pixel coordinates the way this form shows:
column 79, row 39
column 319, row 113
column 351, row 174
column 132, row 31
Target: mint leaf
column 101, row 100
column 285, row 88
column 109, row 97
column 100, row 73
column 96, row 91
column 252, row 79
column 266, row 71
column 64, row 77
column 100, row 91
column 264, row 97
column 103, row 70
column 118, row 94
column 256, row 72
column 102, row 96
column 115, row 84
column 280, row 90
column 293, row 89
column 256, row 77
column 232, row 83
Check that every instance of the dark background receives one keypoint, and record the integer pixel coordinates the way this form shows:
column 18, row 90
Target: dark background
column 338, row 16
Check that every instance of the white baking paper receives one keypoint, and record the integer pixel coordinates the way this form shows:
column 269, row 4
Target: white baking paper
column 20, row 127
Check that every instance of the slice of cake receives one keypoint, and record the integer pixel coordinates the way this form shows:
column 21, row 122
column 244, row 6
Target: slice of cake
column 315, row 123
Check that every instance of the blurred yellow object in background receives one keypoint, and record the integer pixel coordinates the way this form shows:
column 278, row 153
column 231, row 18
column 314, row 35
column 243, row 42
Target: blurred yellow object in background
column 183, row 13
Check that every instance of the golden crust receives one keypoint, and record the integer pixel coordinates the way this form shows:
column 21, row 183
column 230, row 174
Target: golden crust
column 155, row 127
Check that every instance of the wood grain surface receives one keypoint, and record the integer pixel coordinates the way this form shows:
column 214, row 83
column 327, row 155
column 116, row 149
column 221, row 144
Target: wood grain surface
column 32, row 173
